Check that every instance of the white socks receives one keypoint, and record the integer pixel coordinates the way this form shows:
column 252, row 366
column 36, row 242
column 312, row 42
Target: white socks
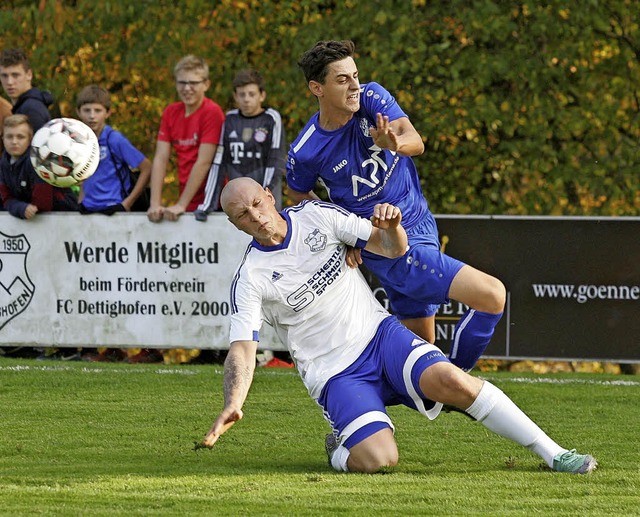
column 498, row 413
column 339, row 459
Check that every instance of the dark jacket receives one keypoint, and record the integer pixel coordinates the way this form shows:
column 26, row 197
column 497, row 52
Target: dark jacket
column 20, row 186
column 34, row 104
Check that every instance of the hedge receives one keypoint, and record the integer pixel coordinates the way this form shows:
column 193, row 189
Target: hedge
column 525, row 108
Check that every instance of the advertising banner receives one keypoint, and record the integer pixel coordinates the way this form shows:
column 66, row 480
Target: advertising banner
column 74, row 280
column 573, row 284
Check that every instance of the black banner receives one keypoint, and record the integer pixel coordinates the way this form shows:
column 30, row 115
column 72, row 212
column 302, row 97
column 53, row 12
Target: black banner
column 573, row 284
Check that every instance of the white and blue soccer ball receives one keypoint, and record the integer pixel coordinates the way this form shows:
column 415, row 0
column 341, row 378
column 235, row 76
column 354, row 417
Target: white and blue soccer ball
column 65, row 152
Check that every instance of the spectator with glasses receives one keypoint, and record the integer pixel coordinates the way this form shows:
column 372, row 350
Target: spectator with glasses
column 192, row 127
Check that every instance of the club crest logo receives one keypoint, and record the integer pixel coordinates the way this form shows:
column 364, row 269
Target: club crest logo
column 260, row 135
column 16, row 288
column 364, row 126
column 316, row 241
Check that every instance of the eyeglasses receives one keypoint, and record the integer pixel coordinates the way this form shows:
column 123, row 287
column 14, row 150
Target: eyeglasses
column 193, row 84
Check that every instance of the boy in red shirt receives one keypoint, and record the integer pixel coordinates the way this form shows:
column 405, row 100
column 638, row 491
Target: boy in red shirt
column 192, row 127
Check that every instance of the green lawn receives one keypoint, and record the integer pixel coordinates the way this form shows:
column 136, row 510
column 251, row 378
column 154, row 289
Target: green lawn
column 117, row 439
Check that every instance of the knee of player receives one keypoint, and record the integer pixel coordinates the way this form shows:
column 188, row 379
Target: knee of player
column 496, row 296
column 374, row 462
column 451, row 379
column 446, row 383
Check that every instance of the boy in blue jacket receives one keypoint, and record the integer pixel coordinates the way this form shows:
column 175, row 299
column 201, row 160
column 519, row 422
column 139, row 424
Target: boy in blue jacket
column 22, row 192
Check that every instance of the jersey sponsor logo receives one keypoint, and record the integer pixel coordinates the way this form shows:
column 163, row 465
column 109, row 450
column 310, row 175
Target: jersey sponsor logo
column 376, row 168
column 16, row 288
column 372, row 166
column 237, row 152
column 233, row 134
column 188, row 141
column 275, row 276
column 236, row 149
column 342, row 164
column 300, row 298
column 316, row 241
column 317, row 283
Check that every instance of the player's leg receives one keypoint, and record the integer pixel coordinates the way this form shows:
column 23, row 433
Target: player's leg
column 425, row 277
column 369, row 456
column 485, row 295
column 362, row 438
column 353, row 403
column 424, row 327
column 497, row 412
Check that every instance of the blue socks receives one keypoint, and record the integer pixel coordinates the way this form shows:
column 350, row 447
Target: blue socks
column 471, row 337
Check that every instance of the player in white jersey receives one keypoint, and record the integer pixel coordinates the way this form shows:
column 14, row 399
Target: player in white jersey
column 360, row 146
column 354, row 358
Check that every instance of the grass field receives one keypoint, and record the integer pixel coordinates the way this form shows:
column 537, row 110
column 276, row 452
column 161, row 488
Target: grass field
column 117, row 439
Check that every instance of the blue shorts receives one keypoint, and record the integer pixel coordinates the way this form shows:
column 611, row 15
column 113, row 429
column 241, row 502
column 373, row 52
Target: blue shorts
column 386, row 374
column 418, row 282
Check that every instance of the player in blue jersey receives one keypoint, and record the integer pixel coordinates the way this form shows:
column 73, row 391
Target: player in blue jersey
column 354, row 358
column 359, row 146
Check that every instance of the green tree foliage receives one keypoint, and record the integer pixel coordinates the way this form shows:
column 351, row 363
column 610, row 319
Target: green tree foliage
column 525, row 108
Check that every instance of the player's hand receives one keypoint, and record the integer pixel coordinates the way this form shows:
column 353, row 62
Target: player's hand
column 155, row 213
column 172, row 212
column 386, row 216
column 30, row 211
column 383, row 134
column 225, row 420
column 354, row 257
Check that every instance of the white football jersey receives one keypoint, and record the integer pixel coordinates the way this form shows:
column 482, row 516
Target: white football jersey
column 323, row 310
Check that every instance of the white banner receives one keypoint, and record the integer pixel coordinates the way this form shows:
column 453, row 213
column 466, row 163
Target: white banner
column 93, row 280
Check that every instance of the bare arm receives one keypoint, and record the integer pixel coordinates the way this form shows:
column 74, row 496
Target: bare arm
column 158, row 172
column 238, row 374
column 388, row 237
column 399, row 136
column 197, row 175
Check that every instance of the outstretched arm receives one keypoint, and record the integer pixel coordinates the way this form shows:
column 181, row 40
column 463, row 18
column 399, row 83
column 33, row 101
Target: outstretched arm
column 158, row 173
column 238, row 374
column 388, row 237
column 399, row 136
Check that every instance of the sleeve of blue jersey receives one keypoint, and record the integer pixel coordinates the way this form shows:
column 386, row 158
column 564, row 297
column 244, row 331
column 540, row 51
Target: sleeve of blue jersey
column 127, row 152
column 377, row 99
column 298, row 178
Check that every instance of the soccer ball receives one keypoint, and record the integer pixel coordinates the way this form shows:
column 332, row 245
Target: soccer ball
column 65, row 152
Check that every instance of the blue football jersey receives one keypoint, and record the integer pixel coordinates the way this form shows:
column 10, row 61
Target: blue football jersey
column 357, row 173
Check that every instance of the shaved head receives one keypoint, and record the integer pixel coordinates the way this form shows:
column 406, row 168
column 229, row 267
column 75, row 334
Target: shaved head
column 236, row 189
column 252, row 209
